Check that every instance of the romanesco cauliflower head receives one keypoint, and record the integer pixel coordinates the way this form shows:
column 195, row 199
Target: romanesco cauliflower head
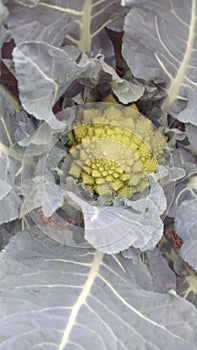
column 112, row 150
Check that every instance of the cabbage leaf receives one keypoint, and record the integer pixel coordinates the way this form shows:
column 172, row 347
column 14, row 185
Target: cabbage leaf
column 65, row 298
column 159, row 45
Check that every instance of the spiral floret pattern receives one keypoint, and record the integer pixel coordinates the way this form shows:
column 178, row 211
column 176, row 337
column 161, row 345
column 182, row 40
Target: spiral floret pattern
column 113, row 150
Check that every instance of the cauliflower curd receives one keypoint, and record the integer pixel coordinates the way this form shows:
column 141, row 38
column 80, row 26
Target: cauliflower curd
column 112, row 150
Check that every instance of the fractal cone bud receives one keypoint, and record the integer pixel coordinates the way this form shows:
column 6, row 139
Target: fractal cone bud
column 112, row 149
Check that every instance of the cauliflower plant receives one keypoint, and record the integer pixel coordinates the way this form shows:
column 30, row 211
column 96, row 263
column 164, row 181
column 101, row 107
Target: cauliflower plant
column 113, row 149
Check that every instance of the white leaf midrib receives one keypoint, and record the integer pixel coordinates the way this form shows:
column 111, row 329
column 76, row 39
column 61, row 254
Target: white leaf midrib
column 98, row 259
column 173, row 90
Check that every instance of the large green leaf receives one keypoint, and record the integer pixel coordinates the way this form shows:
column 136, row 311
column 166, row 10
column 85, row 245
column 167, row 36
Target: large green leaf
column 161, row 35
column 191, row 131
column 10, row 207
column 41, row 192
column 185, row 226
column 55, row 297
column 79, row 21
column 7, row 121
column 9, row 199
column 42, row 71
column 187, row 188
column 5, row 188
column 112, row 229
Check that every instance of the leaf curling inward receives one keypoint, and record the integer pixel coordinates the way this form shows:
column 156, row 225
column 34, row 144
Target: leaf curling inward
column 43, row 72
column 113, row 229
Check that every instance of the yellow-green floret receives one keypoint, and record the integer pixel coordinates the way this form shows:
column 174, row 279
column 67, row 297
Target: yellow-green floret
column 113, row 150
